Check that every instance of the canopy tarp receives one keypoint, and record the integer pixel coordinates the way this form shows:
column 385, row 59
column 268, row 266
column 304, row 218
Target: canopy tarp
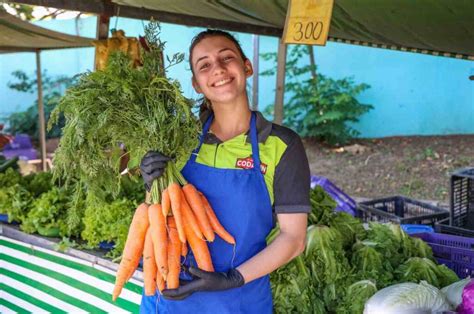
column 439, row 27
column 17, row 35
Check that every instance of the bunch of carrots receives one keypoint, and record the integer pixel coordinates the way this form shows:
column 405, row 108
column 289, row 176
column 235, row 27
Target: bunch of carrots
column 162, row 231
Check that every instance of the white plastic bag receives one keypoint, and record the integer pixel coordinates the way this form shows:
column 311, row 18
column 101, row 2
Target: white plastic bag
column 453, row 292
column 407, row 298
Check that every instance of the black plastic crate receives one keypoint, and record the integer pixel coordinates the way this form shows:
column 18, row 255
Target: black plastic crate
column 404, row 210
column 366, row 214
column 443, row 226
column 462, row 198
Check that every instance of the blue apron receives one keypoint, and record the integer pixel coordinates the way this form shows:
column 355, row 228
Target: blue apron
column 242, row 204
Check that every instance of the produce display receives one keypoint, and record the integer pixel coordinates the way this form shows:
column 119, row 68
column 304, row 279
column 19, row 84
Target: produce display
column 345, row 263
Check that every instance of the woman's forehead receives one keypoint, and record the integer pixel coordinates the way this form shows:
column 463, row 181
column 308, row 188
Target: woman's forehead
column 213, row 44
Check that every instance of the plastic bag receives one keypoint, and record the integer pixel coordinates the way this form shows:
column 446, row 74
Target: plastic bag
column 408, row 298
column 454, row 291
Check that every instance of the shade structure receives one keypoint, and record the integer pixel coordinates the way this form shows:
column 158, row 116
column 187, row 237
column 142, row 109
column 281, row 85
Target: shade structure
column 437, row 27
column 17, row 35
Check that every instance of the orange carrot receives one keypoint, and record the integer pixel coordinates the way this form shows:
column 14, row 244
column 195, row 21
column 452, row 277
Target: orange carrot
column 192, row 221
column 195, row 202
column 160, row 282
column 216, row 225
column 174, row 191
column 159, row 238
column 198, row 246
column 149, row 266
column 184, row 249
column 174, row 252
column 165, row 202
column 133, row 248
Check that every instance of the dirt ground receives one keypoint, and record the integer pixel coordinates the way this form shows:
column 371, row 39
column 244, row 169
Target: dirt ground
column 417, row 167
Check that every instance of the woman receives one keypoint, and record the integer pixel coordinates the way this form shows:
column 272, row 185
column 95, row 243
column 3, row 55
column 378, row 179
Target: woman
column 250, row 170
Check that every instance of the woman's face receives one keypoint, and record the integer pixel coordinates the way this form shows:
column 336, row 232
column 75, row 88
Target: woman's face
column 219, row 71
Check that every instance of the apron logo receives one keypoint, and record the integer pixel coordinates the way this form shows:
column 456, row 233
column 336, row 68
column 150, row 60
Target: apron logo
column 247, row 163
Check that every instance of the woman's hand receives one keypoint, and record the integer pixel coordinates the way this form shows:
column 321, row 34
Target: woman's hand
column 205, row 281
column 152, row 167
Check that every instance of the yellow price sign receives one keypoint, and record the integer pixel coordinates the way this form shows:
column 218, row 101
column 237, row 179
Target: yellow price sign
column 307, row 22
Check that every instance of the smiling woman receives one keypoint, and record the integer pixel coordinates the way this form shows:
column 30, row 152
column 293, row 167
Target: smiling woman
column 249, row 169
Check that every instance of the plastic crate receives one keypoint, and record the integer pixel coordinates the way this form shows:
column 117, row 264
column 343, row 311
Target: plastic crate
column 443, row 226
column 462, row 198
column 405, row 210
column 411, row 229
column 344, row 202
column 367, row 214
column 455, row 252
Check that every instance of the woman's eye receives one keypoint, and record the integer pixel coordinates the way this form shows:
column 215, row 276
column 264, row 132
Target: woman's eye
column 204, row 66
column 228, row 58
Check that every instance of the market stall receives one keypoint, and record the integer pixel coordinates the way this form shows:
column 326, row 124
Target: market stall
column 348, row 255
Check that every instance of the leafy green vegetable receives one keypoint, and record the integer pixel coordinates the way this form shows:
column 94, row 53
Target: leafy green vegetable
column 422, row 249
column 322, row 205
column 445, row 276
column 370, row 264
column 386, row 242
column 349, row 228
column 48, row 212
column 108, row 222
column 357, row 295
column 416, row 269
column 38, row 183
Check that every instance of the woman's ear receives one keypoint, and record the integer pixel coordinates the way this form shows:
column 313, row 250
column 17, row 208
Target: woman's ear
column 196, row 86
column 248, row 68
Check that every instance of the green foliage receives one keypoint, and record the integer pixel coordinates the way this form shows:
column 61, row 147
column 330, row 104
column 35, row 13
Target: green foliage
column 357, row 294
column 26, row 122
column 344, row 264
column 320, row 106
column 371, row 264
column 349, row 228
column 48, row 211
column 138, row 108
column 108, row 222
column 322, row 205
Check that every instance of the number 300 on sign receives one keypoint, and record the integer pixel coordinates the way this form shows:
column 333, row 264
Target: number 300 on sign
column 307, row 31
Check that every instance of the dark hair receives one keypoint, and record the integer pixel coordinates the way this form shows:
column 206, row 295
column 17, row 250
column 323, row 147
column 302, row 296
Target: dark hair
column 205, row 105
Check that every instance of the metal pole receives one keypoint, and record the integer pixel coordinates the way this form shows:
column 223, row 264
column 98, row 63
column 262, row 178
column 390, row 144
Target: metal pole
column 280, row 83
column 256, row 49
column 41, row 120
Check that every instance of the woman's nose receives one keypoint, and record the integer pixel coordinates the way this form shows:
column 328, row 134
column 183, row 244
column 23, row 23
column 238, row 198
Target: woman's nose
column 219, row 67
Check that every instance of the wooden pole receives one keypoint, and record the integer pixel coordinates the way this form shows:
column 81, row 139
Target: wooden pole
column 256, row 49
column 102, row 32
column 312, row 62
column 280, row 83
column 41, row 119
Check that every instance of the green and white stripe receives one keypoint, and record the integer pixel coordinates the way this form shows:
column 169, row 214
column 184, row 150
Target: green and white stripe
column 38, row 280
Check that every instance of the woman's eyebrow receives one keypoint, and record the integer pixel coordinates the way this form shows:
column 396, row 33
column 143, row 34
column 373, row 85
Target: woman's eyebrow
column 205, row 57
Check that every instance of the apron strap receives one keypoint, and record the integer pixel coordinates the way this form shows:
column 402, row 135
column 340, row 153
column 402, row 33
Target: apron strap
column 253, row 140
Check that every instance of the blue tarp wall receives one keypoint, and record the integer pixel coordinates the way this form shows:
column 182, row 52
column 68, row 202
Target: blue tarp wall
column 412, row 94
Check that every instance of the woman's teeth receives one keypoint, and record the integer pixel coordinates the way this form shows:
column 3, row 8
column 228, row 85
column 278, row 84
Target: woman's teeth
column 222, row 82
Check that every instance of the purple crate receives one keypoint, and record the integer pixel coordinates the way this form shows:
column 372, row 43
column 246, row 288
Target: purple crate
column 344, row 202
column 455, row 252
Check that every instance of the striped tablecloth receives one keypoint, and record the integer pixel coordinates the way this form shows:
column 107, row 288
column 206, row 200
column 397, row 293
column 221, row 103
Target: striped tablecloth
column 38, row 280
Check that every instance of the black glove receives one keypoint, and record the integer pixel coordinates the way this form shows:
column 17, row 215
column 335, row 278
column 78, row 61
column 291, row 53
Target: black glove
column 205, row 281
column 152, row 166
